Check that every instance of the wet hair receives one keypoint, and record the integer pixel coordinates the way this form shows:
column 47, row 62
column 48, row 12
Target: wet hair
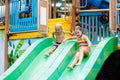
column 78, row 28
column 58, row 28
column 58, row 25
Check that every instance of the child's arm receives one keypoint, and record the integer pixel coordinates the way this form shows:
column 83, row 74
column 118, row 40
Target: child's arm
column 88, row 41
column 73, row 37
column 67, row 32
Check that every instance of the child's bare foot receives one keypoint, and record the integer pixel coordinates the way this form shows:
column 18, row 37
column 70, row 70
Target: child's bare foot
column 77, row 64
column 70, row 67
column 47, row 54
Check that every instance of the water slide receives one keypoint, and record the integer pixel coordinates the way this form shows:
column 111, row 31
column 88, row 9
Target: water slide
column 33, row 65
column 89, row 68
column 91, row 65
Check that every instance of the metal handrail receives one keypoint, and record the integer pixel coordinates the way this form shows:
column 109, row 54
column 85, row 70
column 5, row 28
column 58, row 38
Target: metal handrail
column 97, row 10
column 91, row 10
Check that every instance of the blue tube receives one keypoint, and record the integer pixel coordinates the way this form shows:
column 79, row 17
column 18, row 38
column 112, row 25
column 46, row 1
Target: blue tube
column 94, row 2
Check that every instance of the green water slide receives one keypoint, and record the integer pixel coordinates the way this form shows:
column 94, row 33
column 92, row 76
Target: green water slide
column 89, row 68
column 31, row 62
column 91, row 65
column 33, row 65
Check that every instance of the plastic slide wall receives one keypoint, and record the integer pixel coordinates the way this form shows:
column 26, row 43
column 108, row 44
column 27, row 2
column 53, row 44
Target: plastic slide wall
column 33, row 65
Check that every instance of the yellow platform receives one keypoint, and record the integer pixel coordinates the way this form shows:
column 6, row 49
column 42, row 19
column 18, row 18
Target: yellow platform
column 65, row 23
column 25, row 35
column 2, row 27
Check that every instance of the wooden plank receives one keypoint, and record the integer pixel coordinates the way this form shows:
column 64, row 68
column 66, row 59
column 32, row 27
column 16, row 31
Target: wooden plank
column 113, row 15
column 7, row 22
column 43, row 16
column 73, row 15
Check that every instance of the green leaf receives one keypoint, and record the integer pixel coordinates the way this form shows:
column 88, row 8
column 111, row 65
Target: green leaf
column 11, row 53
column 29, row 42
column 21, row 52
column 20, row 44
column 10, row 43
column 13, row 46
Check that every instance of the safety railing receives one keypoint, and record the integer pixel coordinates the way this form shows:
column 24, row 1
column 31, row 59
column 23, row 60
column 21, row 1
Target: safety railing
column 95, row 23
column 23, row 16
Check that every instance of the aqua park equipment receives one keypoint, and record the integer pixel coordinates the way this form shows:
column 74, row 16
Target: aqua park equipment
column 101, row 4
column 25, row 15
column 25, row 7
column 97, row 4
column 34, row 65
column 95, row 18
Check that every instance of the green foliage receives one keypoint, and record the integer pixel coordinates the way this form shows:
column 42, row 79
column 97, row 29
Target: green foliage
column 21, row 52
column 2, row 2
column 29, row 42
column 11, row 53
column 10, row 44
column 10, row 59
column 15, row 54
column 13, row 46
column 20, row 44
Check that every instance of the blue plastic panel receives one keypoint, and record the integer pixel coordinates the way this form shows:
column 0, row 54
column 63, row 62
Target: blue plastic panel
column 29, row 23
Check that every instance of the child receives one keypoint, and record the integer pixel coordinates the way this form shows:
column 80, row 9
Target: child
column 84, row 46
column 59, row 34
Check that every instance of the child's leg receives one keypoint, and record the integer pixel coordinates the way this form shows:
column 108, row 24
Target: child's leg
column 81, row 55
column 74, row 61
column 50, row 51
column 83, row 50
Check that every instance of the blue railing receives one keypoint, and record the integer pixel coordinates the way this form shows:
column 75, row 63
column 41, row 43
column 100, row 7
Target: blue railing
column 93, row 27
column 21, row 20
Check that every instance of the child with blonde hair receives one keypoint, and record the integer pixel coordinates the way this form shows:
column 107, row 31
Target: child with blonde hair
column 84, row 46
column 59, row 35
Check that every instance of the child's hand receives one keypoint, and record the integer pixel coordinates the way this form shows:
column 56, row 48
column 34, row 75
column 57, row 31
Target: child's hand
column 64, row 40
column 89, row 45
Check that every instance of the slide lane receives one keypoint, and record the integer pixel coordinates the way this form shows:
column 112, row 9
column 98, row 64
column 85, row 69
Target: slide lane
column 62, row 61
column 90, row 66
column 40, row 64
column 35, row 66
column 31, row 62
column 72, row 74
